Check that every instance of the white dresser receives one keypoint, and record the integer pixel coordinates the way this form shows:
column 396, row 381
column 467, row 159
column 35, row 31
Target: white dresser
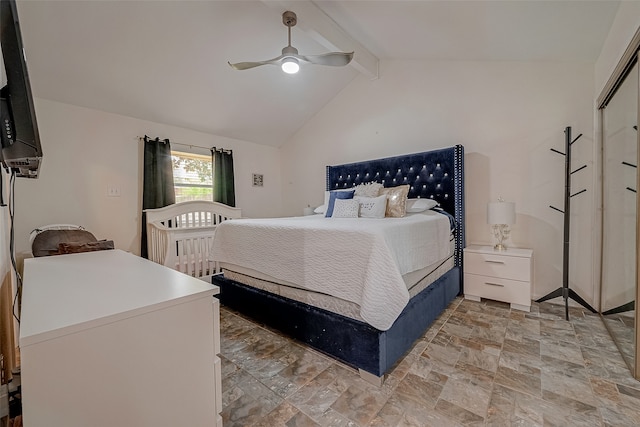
column 111, row 339
column 499, row 275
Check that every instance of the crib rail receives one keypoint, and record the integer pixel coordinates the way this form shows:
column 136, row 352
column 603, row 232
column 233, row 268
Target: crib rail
column 179, row 236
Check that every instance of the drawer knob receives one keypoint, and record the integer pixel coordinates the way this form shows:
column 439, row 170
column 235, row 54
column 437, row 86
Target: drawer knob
column 494, row 284
column 494, row 261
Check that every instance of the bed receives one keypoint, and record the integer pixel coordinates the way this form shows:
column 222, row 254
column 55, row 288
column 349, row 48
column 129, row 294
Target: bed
column 346, row 325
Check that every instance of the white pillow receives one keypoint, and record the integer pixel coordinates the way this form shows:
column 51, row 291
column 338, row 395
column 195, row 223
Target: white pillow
column 372, row 207
column 320, row 209
column 345, row 208
column 420, row 205
column 370, row 189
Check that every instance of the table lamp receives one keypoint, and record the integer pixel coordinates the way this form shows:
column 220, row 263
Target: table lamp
column 500, row 215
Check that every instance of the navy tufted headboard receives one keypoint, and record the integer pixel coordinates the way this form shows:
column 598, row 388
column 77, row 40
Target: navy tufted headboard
column 437, row 175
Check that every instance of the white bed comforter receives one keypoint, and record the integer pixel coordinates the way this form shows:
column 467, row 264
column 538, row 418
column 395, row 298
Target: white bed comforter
column 361, row 260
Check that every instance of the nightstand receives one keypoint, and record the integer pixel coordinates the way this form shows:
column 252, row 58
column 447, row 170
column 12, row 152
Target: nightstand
column 499, row 275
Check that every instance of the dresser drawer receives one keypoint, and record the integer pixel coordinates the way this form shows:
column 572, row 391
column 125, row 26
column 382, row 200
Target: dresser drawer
column 498, row 265
column 511, row 291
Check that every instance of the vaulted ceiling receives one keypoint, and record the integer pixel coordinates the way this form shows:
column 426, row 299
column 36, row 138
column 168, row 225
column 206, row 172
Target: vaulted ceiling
column 166, row 61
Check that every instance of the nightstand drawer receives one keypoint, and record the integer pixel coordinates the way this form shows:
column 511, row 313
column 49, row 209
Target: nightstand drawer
column 511, row 291
column 498, row 265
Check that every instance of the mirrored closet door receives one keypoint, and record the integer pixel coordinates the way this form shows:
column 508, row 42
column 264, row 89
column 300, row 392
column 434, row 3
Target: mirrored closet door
column 619, row 214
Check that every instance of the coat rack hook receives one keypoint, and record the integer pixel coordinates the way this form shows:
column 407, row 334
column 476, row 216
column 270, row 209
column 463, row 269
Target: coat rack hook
column 579, row 169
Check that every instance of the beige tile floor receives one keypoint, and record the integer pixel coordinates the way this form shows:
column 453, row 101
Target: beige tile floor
column 622, row 327
column 479, row 364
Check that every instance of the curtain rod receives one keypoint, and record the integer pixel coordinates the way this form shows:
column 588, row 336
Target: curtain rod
column 212, row 149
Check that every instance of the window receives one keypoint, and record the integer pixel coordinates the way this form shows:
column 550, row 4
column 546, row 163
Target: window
column 192, row 176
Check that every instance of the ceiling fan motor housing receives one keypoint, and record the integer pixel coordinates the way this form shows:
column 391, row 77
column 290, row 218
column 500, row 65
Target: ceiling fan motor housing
column 289, row 50
column 289, row 19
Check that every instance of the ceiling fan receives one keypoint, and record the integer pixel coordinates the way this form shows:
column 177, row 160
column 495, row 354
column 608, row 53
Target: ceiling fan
column 290, row 59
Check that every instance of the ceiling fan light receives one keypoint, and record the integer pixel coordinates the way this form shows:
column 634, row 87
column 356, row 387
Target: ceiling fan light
column 290, row 65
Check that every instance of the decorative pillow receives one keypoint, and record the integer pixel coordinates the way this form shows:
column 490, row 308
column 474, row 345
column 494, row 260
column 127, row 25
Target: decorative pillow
column 421, row 205
column 327, row 194
column 370, row 189
column 396, row 200
column 323, row 207
column 372, row 207
column 345, row 208
column 333, row 195
column 75, row 247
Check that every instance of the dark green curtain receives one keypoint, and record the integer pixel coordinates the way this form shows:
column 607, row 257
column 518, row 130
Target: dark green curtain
column 223, row 185
column 157, row 184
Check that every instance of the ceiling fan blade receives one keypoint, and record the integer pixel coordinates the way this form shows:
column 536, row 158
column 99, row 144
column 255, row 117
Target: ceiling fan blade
column 334, row 59
column 247, row 65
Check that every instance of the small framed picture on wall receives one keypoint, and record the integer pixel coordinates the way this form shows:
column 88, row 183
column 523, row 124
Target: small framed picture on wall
column 258, row 180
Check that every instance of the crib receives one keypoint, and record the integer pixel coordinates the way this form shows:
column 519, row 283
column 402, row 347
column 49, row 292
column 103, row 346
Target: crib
column 179, row 236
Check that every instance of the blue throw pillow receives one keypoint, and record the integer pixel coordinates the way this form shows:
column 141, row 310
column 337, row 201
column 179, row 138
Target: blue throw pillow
column 333, row 195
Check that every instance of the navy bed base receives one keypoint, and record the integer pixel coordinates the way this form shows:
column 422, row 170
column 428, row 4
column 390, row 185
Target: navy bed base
column 350, row 341
column 437, row 174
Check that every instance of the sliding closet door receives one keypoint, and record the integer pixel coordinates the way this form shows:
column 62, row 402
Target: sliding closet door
column 619, row 214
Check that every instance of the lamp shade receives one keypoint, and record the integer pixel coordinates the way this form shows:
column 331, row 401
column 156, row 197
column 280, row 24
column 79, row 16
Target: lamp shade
column 501, row 213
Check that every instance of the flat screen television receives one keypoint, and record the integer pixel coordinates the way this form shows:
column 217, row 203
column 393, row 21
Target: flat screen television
column 21, row 150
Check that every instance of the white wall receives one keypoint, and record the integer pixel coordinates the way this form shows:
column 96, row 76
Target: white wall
column 86, row 151
column 624, row 27
column 507, row 115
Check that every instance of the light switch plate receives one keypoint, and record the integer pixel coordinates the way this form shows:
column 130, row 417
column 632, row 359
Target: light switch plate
column 113, row 191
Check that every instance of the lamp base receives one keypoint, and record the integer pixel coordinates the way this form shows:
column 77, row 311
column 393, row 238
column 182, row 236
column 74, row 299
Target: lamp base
column 500, row 233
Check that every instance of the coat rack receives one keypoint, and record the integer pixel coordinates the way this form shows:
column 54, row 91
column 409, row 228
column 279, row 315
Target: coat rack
column 565, row 291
